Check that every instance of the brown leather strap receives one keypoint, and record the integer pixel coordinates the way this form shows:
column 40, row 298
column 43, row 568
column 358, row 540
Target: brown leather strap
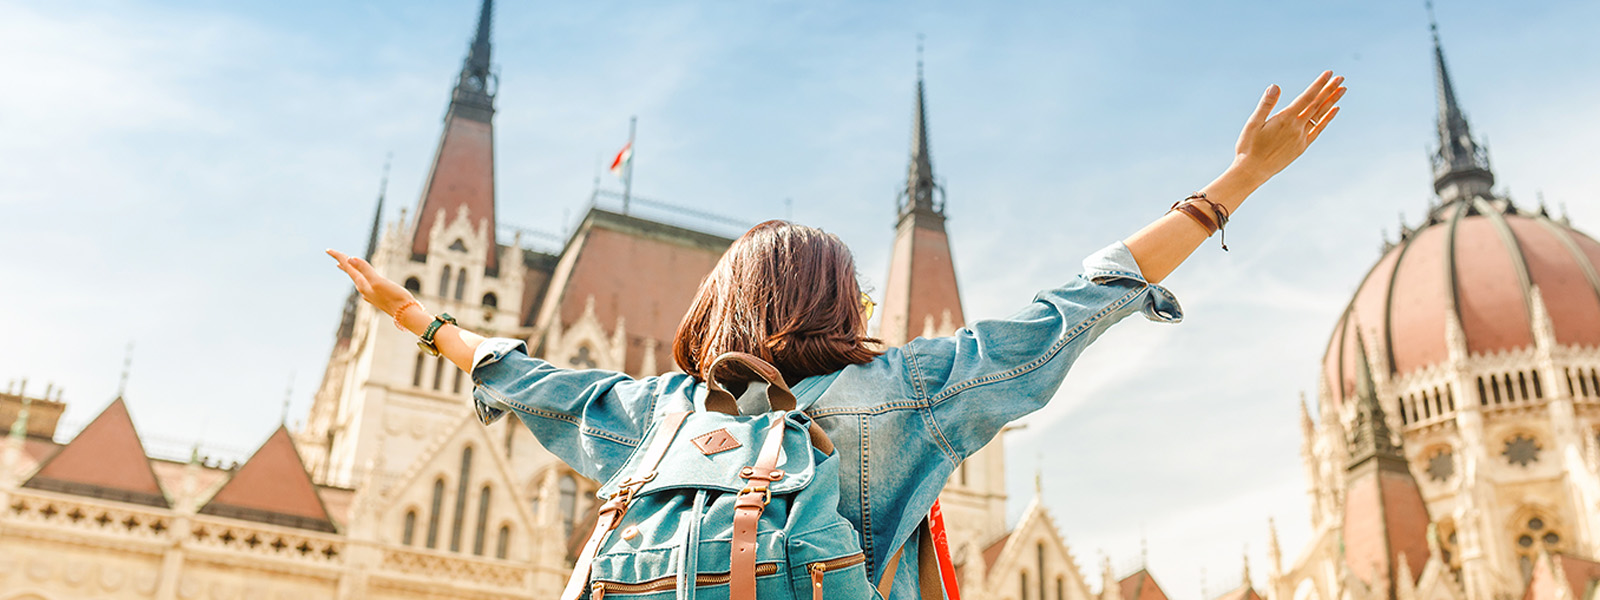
column 927, row 567
column 611, row 512
column 1198, row 214
column 718, row 399
column 747, row 515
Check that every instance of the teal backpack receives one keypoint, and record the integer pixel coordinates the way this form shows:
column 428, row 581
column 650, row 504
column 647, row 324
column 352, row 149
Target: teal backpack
column 719, row 505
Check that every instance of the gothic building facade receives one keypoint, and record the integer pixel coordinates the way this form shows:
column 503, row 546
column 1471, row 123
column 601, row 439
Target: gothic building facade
column 1454, row 452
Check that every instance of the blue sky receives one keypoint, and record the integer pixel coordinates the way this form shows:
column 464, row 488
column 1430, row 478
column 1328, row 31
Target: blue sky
column 171, row 171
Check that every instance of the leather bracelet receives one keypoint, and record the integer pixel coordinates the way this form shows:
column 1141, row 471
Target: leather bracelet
column 1217, row 221
column 1199, row 216
column 402, row 310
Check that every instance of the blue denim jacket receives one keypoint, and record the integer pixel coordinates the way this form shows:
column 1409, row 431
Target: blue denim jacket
column 900, row 423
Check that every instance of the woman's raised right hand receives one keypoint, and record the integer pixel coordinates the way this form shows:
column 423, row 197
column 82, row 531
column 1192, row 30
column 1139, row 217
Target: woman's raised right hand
column 384, row 295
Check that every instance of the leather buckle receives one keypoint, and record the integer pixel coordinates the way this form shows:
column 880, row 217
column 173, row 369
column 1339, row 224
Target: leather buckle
column 766, row 493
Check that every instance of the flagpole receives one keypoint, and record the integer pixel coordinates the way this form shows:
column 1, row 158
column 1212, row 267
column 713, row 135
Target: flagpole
column 627, row 181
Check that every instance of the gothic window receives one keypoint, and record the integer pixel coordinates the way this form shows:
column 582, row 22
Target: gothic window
column 438, row 373
column 1061, row 588
column 1538, row 389
column 1040, row 550
column 1522, row 385
column 458, row 245
column 1537, row 534
column 1521, row 450
column 409, row 532
column 413, row 285
column 569, row 504
column 584, row 359
column 490, row 300
column 455, row 388
column 1450, row 394
column 461, row 500
column 433, row 514
column 1483, row 398
column 961, row 471
column 1023, row 591
column 461, row 283
column 444, row 281
column 482, row 535
column 503, row 542
column 511, row 432
column 416, row 374
column 1594, row 380
column 1441, row 465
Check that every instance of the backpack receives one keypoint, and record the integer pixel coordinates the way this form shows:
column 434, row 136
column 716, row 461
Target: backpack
column 715, row 504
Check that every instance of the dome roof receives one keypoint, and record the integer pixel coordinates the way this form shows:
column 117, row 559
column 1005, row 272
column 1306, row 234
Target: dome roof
column 1483, row 261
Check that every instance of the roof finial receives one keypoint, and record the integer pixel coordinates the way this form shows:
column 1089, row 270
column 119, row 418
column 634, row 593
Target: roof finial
column 288, row 392
column 920, row 37
column 1038, row 475
column 920, row 184
column 127, row 364
column 1144, row 548
column 1461, row 165
column 1245, row 582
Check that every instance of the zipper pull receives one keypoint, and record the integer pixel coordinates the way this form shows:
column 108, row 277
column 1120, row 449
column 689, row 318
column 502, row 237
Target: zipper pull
column 817, row 569
column 599, row 592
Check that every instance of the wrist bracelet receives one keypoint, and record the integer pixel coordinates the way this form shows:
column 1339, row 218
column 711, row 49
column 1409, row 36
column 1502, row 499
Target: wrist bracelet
column 1213, row 223
column 402, row 310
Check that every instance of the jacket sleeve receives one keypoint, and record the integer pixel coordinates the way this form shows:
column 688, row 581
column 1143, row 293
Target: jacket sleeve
column 591, row 419
column 993, row 372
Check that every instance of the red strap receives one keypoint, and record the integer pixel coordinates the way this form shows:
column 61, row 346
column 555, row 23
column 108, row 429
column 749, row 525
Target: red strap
column 611, row 512
column 747, row 515
column 941, row 546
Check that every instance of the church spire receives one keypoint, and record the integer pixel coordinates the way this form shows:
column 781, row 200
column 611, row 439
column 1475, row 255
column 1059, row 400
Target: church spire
column 1370, row 436
column 1460, row 166
column 377, row 215
column 461, row 182
column 920, row 184
column 473, row 95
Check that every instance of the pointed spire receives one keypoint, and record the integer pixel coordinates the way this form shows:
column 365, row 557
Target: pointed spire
column 377, row 215
column 1244, row 578
column 920, row 184
column 1274, row 553
column 474, row 90
column 1460, row 166
column 1370, row 436
column 127, row 363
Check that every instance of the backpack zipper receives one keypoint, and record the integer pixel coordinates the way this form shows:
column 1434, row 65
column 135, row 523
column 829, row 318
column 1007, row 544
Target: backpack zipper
column 661, row 584
column 820, row 568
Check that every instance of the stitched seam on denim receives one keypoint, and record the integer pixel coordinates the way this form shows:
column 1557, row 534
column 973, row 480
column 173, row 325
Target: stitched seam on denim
column 944, row 443
column 1051, row 353
column 561, row 417
column 866, row 504
column 1093, row 273
column 876, row 409
column 910, row 360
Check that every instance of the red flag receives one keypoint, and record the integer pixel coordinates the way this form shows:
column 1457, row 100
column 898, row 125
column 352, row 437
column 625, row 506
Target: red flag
column 620, row 164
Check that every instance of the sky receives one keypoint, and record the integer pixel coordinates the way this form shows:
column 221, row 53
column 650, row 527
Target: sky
column 171, row 171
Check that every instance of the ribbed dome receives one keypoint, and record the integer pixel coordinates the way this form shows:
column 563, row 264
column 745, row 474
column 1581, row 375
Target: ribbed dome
column 1482, row 260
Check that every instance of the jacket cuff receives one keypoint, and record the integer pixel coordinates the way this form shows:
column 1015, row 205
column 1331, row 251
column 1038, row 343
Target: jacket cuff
column 490, row 351
column 1114, row 263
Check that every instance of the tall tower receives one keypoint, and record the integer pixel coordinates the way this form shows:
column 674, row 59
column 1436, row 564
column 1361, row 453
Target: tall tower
column 922, row 299
column 379, row 389
column 1460, row 166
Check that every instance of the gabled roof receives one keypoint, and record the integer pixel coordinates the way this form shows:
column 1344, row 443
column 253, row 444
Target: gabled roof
column 992, row 553
column 1245, row 592
column 1141, row 586
column 1576, row 574
column 273, row 487
column 106, row 460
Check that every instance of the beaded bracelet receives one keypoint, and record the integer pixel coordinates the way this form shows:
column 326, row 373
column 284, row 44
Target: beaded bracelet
column 402, row 310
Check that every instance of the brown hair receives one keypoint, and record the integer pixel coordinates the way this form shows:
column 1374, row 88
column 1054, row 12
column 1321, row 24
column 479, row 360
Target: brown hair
column 784, row 292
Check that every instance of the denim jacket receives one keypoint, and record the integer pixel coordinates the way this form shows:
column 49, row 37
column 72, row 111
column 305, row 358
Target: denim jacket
column 900, row 423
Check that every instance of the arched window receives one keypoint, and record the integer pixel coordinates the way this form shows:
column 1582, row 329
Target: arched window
column 413, row 285
column 444, row 282
column 490, row 300
column 482, row 536
column 438, row 373
column 511, row 435
column 461, row 283
column 1040, row 550
column 569, row 503
column 1022, row 592
column 502, row 543
column 433, row 514
column 409, row 532
column 455, row 388
column 961, row 472
column 461, row 500
column 1061, row 588
column 416, row 374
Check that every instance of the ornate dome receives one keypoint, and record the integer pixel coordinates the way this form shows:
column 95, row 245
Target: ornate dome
column 1479, row 271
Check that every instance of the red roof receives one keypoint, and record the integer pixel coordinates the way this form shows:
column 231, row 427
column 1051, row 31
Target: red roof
column 462, row 175
column 1581, row 574
column 922, row 281
column 272, row 487
column 106, row 460
column 1141, row 586
column 1384, row 516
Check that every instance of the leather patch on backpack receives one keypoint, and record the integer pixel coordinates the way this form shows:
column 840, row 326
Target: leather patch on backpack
column 714, row 442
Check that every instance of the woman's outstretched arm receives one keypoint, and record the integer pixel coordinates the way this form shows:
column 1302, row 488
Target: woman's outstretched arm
column 1265, row 147
column 453, row 342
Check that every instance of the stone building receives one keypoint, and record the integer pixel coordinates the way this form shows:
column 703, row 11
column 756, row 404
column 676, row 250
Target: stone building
column 393, row 489
column 1454, row 454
